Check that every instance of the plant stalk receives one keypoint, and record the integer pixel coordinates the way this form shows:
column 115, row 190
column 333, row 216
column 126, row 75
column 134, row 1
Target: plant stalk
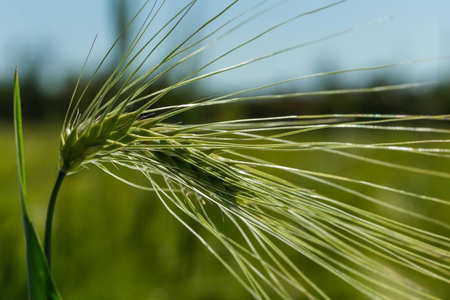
column 49, row 221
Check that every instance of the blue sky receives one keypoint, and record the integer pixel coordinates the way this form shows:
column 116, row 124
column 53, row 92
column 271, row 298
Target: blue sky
column 58, row 34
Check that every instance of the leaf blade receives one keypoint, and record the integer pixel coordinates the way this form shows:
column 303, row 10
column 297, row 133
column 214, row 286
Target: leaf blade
column 40, row 282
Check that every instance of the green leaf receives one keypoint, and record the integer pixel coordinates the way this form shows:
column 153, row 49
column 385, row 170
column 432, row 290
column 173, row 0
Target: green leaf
column 40, row 281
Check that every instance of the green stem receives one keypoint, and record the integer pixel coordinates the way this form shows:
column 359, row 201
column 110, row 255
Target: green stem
column 49, row 222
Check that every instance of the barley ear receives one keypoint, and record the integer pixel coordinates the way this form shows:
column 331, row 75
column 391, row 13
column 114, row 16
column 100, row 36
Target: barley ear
column 265, row 213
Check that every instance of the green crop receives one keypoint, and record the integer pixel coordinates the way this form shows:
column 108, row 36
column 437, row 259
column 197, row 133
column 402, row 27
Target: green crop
column 199, row 171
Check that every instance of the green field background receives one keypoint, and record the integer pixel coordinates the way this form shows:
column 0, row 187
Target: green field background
column 112, row 241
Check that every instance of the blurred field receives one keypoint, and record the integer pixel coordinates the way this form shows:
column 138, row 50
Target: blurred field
column 112, row 241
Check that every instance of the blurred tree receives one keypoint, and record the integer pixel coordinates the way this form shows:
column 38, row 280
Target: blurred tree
column 119, row 19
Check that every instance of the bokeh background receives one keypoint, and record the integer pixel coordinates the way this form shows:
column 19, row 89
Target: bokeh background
column 115, row 242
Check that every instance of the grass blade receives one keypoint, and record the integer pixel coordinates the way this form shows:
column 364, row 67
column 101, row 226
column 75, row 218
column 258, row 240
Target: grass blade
column 40, row 281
